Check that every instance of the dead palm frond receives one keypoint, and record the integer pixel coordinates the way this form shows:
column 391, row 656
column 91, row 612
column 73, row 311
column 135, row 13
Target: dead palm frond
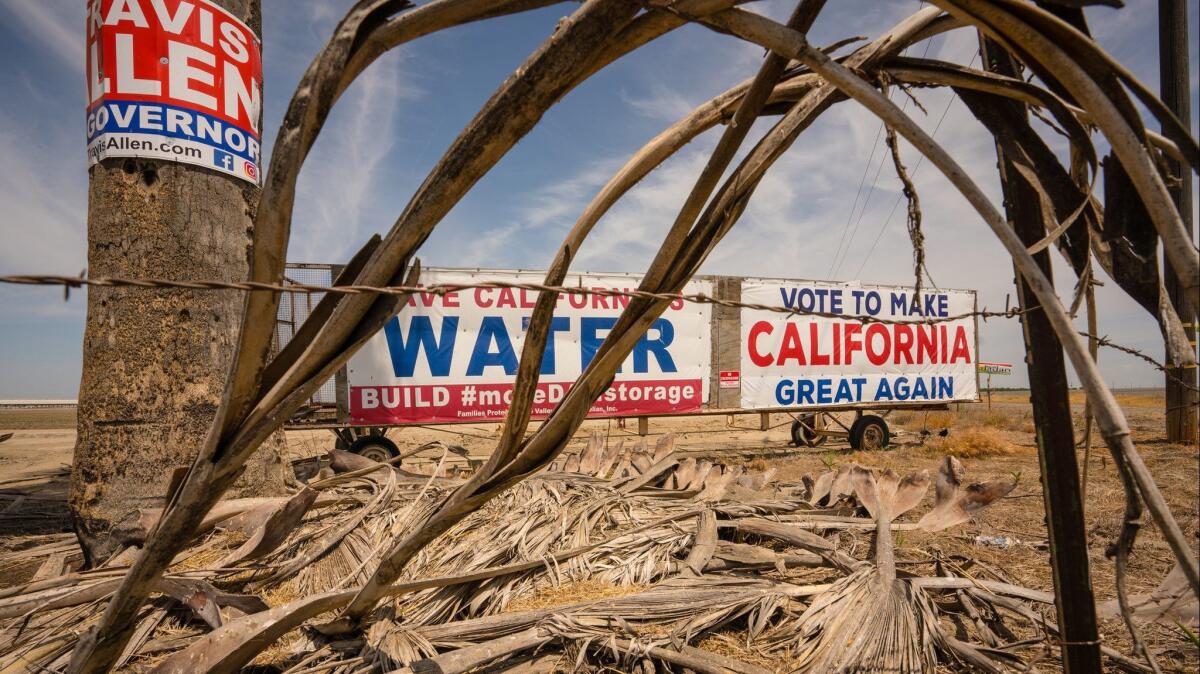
column 450, row 606
column 864, row 623
column 871, row 620
column 383, row 527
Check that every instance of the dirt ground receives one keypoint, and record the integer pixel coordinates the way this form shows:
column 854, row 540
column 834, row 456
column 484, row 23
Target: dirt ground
column 992, row 441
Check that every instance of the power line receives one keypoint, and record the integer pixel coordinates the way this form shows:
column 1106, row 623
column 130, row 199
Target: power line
column 854, row 206
column 862, row 181
column 835, row 264
column 839, row 261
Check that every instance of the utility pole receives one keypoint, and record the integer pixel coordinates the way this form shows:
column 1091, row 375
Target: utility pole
column 1183, row 415
column 173, row 142
column 1048, row 390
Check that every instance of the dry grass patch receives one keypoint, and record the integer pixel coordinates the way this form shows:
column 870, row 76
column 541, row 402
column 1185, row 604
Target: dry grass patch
column 573, row 593
column 940, row 419
column 996, row 419
column 1152, row 398
column 37, row 418
column 973, row 442
column 278, row 595
column 1005, row 418
column 216, row 548
column 915, row 421
column 734, row 645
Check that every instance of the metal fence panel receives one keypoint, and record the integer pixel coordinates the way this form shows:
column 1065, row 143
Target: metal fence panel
column 294, row 308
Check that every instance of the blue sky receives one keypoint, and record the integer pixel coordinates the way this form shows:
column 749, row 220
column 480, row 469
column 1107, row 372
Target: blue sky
column 392, row 126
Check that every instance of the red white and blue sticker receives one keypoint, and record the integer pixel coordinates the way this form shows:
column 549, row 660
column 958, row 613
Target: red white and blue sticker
column 178, row 80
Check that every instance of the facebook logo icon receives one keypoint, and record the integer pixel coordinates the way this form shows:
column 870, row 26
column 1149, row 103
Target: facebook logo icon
column 223, row 160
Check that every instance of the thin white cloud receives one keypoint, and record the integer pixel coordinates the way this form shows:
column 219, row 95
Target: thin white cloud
column 58, row 25
column 794, row 222
column 340, row 195
column 661, row 103
column 629, row 235
column 44, row 231
column 561, row 203
column 44, row 226
column 552, row 208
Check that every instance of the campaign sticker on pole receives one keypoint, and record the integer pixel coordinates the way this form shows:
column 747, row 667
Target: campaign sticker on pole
column 176, row 80
column 843, row 358
column 453, row 358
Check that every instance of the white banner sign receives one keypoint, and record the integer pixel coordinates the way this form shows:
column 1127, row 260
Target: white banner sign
column 454, row 357
column 842, row 359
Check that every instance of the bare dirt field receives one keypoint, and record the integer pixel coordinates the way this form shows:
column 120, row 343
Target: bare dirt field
column 995, row 441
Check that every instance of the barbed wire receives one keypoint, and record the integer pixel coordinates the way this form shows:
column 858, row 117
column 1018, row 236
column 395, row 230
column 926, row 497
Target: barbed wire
column 442, row 289
column 1106, row 342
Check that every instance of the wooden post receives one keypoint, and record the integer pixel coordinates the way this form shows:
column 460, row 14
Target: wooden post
column 764, row 421
column 1094, row 351
column 1183, row 415
column 726, row 343
column 1074, row 600
column 643, row 425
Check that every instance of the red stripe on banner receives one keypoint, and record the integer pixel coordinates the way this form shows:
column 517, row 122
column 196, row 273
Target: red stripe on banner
column 457, row 403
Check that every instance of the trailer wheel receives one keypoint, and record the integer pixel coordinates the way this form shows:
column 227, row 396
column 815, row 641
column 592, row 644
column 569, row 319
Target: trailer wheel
column 375, row 447
column 804, row 432
column 869, row 432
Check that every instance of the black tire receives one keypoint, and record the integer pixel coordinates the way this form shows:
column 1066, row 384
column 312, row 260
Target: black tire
column 375, row 447
column 806, row 437
column 869, row 432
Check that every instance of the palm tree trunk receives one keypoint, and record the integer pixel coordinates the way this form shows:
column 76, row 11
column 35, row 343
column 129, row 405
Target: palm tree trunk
column 155, row 360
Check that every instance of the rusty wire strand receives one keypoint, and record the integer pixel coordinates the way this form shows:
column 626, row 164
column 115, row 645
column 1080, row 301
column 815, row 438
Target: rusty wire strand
column 909, row 191
column 441, row 289
column 1105, row 341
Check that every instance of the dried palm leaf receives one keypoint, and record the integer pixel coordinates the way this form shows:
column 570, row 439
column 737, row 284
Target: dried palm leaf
column 376, row 530
column 956, row 501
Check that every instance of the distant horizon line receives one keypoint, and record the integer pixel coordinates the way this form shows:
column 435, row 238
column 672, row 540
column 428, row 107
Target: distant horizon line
column 72, row 402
